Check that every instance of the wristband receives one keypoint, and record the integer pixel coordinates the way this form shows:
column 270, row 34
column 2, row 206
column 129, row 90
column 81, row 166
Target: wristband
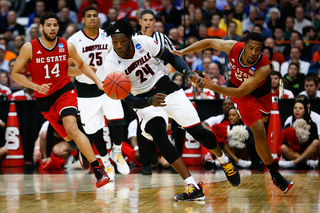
column 37, row 147
column 135, row 148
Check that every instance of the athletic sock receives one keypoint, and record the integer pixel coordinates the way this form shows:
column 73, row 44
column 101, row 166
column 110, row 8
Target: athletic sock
column 223, row 159
column 95, row 163
column 190, row 180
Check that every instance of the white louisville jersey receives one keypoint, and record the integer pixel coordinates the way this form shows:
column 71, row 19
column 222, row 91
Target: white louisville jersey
column 143, row 68
column 92, row 51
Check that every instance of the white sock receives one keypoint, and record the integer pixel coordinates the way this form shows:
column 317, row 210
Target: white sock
column 291, row 163
column 105, row 159
column 190, row 180
column 223, row 159
column 117, row 148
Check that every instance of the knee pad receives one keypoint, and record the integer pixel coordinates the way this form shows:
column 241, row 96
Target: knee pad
column 204, row 136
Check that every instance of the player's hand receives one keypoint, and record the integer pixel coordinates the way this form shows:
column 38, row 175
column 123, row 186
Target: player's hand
column 207, row 82
column 93, row 69
column 43, row 88
column 36, row 155
column 197, row 80
column 177, row 52
column 100, row 85
column 159, row 100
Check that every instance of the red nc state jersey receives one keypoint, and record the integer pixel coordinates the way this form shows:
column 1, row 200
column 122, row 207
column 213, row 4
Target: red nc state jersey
column 49, row 65
column 240, row 72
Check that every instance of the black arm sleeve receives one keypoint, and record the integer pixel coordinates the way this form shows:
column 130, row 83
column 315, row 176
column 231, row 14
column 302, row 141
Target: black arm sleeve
column 138, row 102
column 176, row 61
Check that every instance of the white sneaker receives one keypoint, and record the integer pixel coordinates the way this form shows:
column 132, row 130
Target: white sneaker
column 122, row 165
column 75, row 166
column 313, row 163
column 108, row 167
column 68, row 162
column 286, row 164
column 244, row 163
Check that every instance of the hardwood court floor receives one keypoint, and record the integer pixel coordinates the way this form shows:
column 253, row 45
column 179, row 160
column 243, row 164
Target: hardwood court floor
column 75, row 191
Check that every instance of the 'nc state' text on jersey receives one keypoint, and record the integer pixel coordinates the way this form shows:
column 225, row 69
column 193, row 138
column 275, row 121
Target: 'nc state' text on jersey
column 241, row 76
column 49, row 59
column 137, row 63
column 94, row 47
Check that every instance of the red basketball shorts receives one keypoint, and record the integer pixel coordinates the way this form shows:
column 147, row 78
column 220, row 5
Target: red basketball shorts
column 252, row 109
column 66, row 103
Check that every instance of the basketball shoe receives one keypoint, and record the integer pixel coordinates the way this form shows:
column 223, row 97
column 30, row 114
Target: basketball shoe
column 282, row 183
column 101, row 175
column 84, row 161
column 232, row 173
column 108, row 167
column 122, row 165
column 191, row 194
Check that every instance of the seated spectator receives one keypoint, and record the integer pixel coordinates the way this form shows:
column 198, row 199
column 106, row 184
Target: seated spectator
column 4, row 78
column 309, row 34
column 214, row 30
column 73, row 16
column 189, row 29
column 294, row 35
column 248, row 23
column 217, row 95
column 199, row 19
column 8, row 55
column 179, row 79
column 175, row 38
column 111, row 18
column 294, row 80
column 3, row 149
column 314, row 68
column 239, row 11
column 301, row 140
column 214, row 71
column 227, row 19
column 16, row 28
column 300, row 21
column 129, row 5
column 24, row 94
column 275, row 84
column 197, row 65
column 266, row 32
column 18, row 41
column 305, row 55
column 289, row 24
column 39, row 11
column 170, row 15
column 13, row 85
column 194, row 93
column 274, row 15
column 295, row 55
column 71, row 29
column 5, row 93
column 279, row 39
column 32, row 32
column 269, row 53
column 311, row 84
column 210, row 9
column 4, row 64
column 232, row 35
column 64, row 20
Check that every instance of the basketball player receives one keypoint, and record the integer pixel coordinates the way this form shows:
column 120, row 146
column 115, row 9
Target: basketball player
column 93, row 46
column 155, row 98
column 250, row 90
column 48, row 58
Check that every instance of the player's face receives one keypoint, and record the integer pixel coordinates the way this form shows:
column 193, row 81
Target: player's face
column 274, row 81
column 121, row 44
column 50, row 29
column 233, row 116
column 147, row 22
column 251, row 52
column 298, row 110
column 91, row 19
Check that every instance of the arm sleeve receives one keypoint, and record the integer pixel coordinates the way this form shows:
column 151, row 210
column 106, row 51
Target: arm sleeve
column 138, row 102
column 176, row 61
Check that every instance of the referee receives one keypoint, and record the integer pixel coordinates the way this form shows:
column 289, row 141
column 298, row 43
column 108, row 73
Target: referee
column 147, row 150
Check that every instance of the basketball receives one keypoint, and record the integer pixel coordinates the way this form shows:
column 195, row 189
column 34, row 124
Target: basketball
column 117, row 85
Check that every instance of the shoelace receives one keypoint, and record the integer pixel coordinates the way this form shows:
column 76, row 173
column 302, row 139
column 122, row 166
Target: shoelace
column 228, row 168
column 120, row 159
column 109, row 170
column 189, row 190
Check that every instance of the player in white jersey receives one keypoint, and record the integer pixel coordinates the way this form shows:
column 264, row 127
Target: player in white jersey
column 155, row 98
column 93, row 46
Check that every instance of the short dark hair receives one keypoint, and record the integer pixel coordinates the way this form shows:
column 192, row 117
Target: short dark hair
column 270, row 51
column 147, row 11
column 48, row 15
column 87, row 9
column 276, row 73
column 313, row 78
column 254, row 37
column 121, row 26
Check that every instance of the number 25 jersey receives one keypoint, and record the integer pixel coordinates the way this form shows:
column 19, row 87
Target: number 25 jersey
column 49, row 65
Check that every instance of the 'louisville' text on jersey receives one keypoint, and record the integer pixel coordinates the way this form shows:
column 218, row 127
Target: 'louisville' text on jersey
column 49, row 59
column 95, row 47
column 137, row 63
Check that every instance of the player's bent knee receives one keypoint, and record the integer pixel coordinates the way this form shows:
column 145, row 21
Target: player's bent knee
column 204, row 136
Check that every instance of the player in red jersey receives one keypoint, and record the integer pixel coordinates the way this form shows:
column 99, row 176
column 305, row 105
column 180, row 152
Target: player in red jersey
column 250, row 89
column 47, row 58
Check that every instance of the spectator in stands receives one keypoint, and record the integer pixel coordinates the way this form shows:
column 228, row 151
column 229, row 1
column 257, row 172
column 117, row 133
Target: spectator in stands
column 199, row 18
column 175, row 38
column 315, row 67
column 197, row 65
column 275, row 86
column 294, row 36
column 311, row 84
column 203, row 31
column 73, row 16
column 158, row 27
column 232, row 35
column 170, row 15
column 274, row 15
column 4, row 78
column 103, row 8
column 111, row 18
column 33, row 33
column 239, row 11
column 227, row 18
column 300, row 21
column 257, row 28
column 18, row 42
column 128, row 6
column 295, row 55
column 269, row 53
column 213, row 71
column 8, row 55
column 71, row 29
column 13, row 85
column 40, row 10
column 4, row 9
column 179, row 79
column 191, row 11
column 279, row 40
column 309, row 34
column 194, row 93
column 305, row 54
column 18, row 6
column 5, row 93
column 24, row 94
column 289, row 27
column 4, row 64
column 211, row 9
column 304, row 149
column 276, row 56
column 217, row 95
column 64, row 20
column 3, row 149
column 189, row 29
column 294, row 80
column 248, row 23
column 214, row 30
column 17, row 29
column 266, row 32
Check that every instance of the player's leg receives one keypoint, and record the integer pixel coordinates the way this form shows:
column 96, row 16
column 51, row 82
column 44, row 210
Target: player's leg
column 62, row 150
column 183, row 112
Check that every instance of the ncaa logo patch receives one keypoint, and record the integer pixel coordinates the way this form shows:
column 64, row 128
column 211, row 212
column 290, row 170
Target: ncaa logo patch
column 138, row 46
column 61, row 48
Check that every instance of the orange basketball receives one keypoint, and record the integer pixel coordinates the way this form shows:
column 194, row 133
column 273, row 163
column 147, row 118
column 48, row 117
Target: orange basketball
column 117, row 85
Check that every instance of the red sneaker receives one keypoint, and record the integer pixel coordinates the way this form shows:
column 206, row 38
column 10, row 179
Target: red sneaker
column 101, row 175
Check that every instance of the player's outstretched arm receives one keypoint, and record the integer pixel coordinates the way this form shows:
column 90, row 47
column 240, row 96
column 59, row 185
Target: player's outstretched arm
column 218, row 44
column 245, row 88
column 24, row 57
column 85, row 69
column 142, row 102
